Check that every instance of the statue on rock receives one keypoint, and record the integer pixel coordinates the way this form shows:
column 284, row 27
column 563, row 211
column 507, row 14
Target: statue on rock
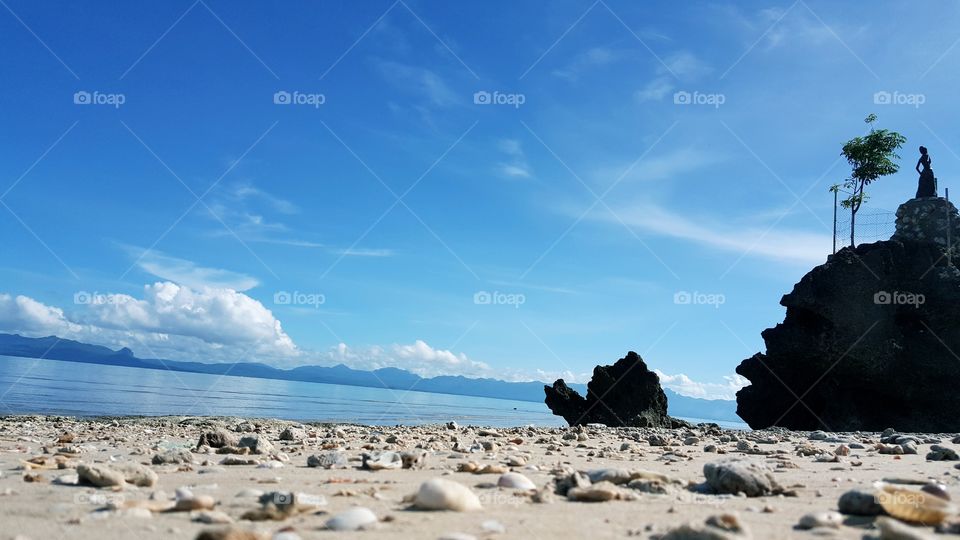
column 928, row 183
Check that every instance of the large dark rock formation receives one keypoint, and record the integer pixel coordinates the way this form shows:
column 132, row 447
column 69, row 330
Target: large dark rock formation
column 870, row 339
column 624, row 394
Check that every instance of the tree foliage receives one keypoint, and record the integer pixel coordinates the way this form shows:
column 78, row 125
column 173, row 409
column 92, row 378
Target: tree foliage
column 870, row 156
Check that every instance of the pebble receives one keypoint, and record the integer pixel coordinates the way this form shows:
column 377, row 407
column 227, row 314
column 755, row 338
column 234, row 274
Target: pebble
column 293, row 434
column 831, row 520
column 382, row 460
column 891, row 529
column 740, row 475
column 173, row 457
column 211, row 517
column 515, row 480
column 722, row 527
column 858, row 502
column 942, row 453
column 352, row 520
column 442, row 494
column 258, row 444
column 328, row 460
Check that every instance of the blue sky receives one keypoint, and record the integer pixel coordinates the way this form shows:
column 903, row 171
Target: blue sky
column 492, row 189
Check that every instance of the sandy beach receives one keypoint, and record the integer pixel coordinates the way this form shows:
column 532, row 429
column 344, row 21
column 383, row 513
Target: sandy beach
column 228, row 474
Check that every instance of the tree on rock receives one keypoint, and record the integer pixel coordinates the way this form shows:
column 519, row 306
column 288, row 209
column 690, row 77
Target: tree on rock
column 871, row 156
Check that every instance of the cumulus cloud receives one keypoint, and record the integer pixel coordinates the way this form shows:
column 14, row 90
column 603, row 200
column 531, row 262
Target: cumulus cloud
column 170, row 321
column 419, row 358
column 686, row 386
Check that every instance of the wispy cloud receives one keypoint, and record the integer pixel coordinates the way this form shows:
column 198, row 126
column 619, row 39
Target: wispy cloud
column 189, row 273
column 364, row 252
column 682, row 66
column 515, row 165
column 776, row 244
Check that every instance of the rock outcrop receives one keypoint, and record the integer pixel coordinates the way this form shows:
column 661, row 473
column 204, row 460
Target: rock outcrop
column 870, row 339
column 624, row 394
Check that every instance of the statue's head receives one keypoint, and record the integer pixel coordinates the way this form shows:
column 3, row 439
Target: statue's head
column 923, row 150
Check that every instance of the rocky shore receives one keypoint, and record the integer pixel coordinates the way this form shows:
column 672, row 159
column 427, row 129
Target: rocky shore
column 228, row 478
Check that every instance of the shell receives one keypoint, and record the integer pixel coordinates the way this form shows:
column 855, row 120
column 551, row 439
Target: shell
column 516, row 481
column 441, row 494
column 352, row 520
column 913, row 505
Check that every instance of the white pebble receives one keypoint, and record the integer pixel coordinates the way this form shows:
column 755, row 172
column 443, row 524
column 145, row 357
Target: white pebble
column 515, row 481
column 441, row 494
column 351, row 520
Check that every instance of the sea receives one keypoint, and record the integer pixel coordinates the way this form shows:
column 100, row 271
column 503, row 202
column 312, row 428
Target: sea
column 54, row 387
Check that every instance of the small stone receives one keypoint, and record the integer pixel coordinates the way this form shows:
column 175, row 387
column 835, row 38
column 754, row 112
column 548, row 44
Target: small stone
column 891, row 529
column 599, row 492
column 858, row 502
column 230, row 534
column 492, row 526
column 514, row 480
column 441, row 494
column 942, row 453
column 831, row 520
column 99, row 475
column 328, row 460
column 293, row 434
column 352, row 520
column 173, row 457
column 739, row 475
column 722, row 527
column 217, row 438
column 382, row 460
column 211, row 517
column 258, row 444
column 413, row 459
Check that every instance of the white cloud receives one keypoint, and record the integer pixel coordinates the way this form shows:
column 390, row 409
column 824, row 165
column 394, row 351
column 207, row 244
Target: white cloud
column 655, row 90
column 589, row 59
column 419, row 358
column 790, row 246
column 189, row 273
column 421, row 82
column 667, row 166
column 516, row 165
column 365, row 252
column 686, row 386
column 171, row 321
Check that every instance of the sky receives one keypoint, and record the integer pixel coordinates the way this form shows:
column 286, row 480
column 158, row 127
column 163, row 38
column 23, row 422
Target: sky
column 489, row 189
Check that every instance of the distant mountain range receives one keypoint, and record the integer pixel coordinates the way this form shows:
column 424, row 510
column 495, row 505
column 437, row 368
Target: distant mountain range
column 55, row 348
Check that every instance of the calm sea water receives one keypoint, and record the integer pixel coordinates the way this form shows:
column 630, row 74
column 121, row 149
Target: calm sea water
column 30, row 386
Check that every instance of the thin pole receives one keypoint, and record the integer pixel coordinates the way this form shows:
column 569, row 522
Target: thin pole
column 835, row 222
